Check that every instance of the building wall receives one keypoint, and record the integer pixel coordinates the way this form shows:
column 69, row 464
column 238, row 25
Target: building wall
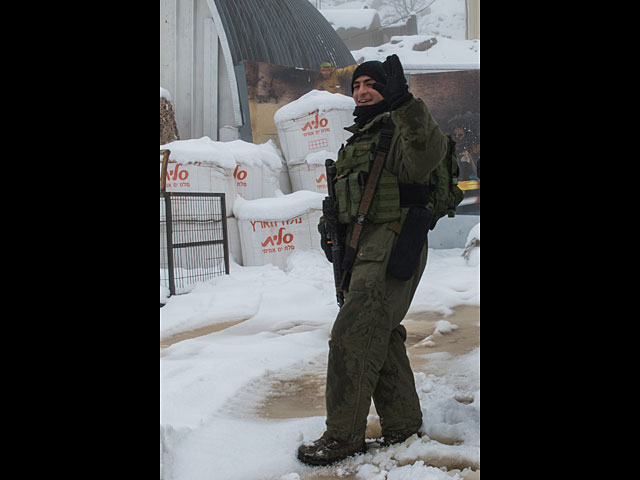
column 473, row 19
column 375, row 34
column 357, row 38
column 193, row 69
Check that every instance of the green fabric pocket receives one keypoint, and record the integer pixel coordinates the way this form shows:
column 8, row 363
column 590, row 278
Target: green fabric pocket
column 372, row 253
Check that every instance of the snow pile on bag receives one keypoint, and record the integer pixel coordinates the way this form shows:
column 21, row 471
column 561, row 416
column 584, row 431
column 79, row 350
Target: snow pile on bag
column 258, row 171
column 313, row 125
column 273, row 228
column 201, row 151
column 201, row 165
column 250, row 170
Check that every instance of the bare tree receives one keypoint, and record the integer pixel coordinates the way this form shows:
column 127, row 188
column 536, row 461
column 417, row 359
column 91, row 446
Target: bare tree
column 405, row 7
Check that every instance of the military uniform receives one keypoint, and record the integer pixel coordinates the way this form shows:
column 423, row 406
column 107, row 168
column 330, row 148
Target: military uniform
column 367, row 355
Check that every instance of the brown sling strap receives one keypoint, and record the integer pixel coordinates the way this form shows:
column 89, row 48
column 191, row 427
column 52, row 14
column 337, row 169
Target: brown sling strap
column 382, row 150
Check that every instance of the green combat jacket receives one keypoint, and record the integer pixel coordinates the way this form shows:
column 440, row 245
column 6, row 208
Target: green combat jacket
column 417, row 146
column 367, row 356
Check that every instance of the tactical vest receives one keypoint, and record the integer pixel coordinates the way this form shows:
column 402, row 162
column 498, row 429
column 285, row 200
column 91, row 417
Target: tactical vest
column 352, row 167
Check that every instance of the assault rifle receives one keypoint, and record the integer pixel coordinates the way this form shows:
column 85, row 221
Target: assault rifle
column 330, row 211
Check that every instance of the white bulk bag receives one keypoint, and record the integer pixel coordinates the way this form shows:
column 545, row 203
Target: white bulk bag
column 273, row 228
column 312, row 123
column 257, row 173
column 312, row 173
column 201, row 165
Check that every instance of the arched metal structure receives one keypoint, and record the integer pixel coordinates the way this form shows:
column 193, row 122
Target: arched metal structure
column 283, row 32
column 203, row 44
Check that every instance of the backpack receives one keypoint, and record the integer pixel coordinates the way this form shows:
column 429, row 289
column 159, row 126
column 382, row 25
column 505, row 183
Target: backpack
column 444, row 195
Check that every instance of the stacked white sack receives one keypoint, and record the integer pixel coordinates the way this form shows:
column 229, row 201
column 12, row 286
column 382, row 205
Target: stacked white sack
column 311, row 174
column 313, row 124
column 201, row 165
column 273, row 228
column 249, row 170
column 237, row 169
column 257, row 174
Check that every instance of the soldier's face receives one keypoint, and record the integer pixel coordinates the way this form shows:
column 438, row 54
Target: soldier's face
column 364, row 93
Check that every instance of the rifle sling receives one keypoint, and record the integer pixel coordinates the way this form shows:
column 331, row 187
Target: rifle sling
column 382, row 150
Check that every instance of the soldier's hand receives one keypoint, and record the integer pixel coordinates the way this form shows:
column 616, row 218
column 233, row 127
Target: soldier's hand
column 396, row 90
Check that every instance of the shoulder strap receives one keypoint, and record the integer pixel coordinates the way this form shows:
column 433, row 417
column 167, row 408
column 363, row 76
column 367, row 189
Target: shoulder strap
column 382, row 150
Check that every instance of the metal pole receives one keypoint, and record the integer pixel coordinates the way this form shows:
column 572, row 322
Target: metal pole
column 172, row 280
column 225, row 234
column 163, row 174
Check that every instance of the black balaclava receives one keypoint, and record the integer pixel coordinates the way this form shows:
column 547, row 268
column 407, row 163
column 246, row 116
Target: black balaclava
column 375, row 70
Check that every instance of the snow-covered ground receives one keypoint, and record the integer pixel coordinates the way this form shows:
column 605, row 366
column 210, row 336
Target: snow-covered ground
column 213, row 385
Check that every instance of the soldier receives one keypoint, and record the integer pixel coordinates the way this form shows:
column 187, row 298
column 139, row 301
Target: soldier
column 367, row 355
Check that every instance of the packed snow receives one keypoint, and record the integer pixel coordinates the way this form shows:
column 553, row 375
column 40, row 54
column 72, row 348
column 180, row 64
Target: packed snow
column 212, row 385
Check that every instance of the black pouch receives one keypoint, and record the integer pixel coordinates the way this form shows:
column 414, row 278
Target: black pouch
column 406, row 253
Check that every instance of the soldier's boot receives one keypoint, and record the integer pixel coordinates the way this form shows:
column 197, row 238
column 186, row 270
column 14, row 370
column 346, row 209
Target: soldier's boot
column 327, row 450
column 398, row 436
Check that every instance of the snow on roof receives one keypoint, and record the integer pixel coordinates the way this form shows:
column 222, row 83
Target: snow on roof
column 320, row 100
column 419, row 53
column 350, row 18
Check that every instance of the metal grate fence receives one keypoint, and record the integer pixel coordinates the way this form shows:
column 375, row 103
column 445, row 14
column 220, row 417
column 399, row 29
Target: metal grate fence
column 193, row 239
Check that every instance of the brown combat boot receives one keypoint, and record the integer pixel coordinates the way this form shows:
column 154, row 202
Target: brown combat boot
column 327, row 450
column 398, row 436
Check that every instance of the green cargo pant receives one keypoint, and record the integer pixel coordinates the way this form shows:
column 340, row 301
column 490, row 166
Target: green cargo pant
column 367, row 355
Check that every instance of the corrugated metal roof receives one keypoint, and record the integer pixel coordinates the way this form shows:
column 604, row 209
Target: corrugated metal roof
column 282, row 32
